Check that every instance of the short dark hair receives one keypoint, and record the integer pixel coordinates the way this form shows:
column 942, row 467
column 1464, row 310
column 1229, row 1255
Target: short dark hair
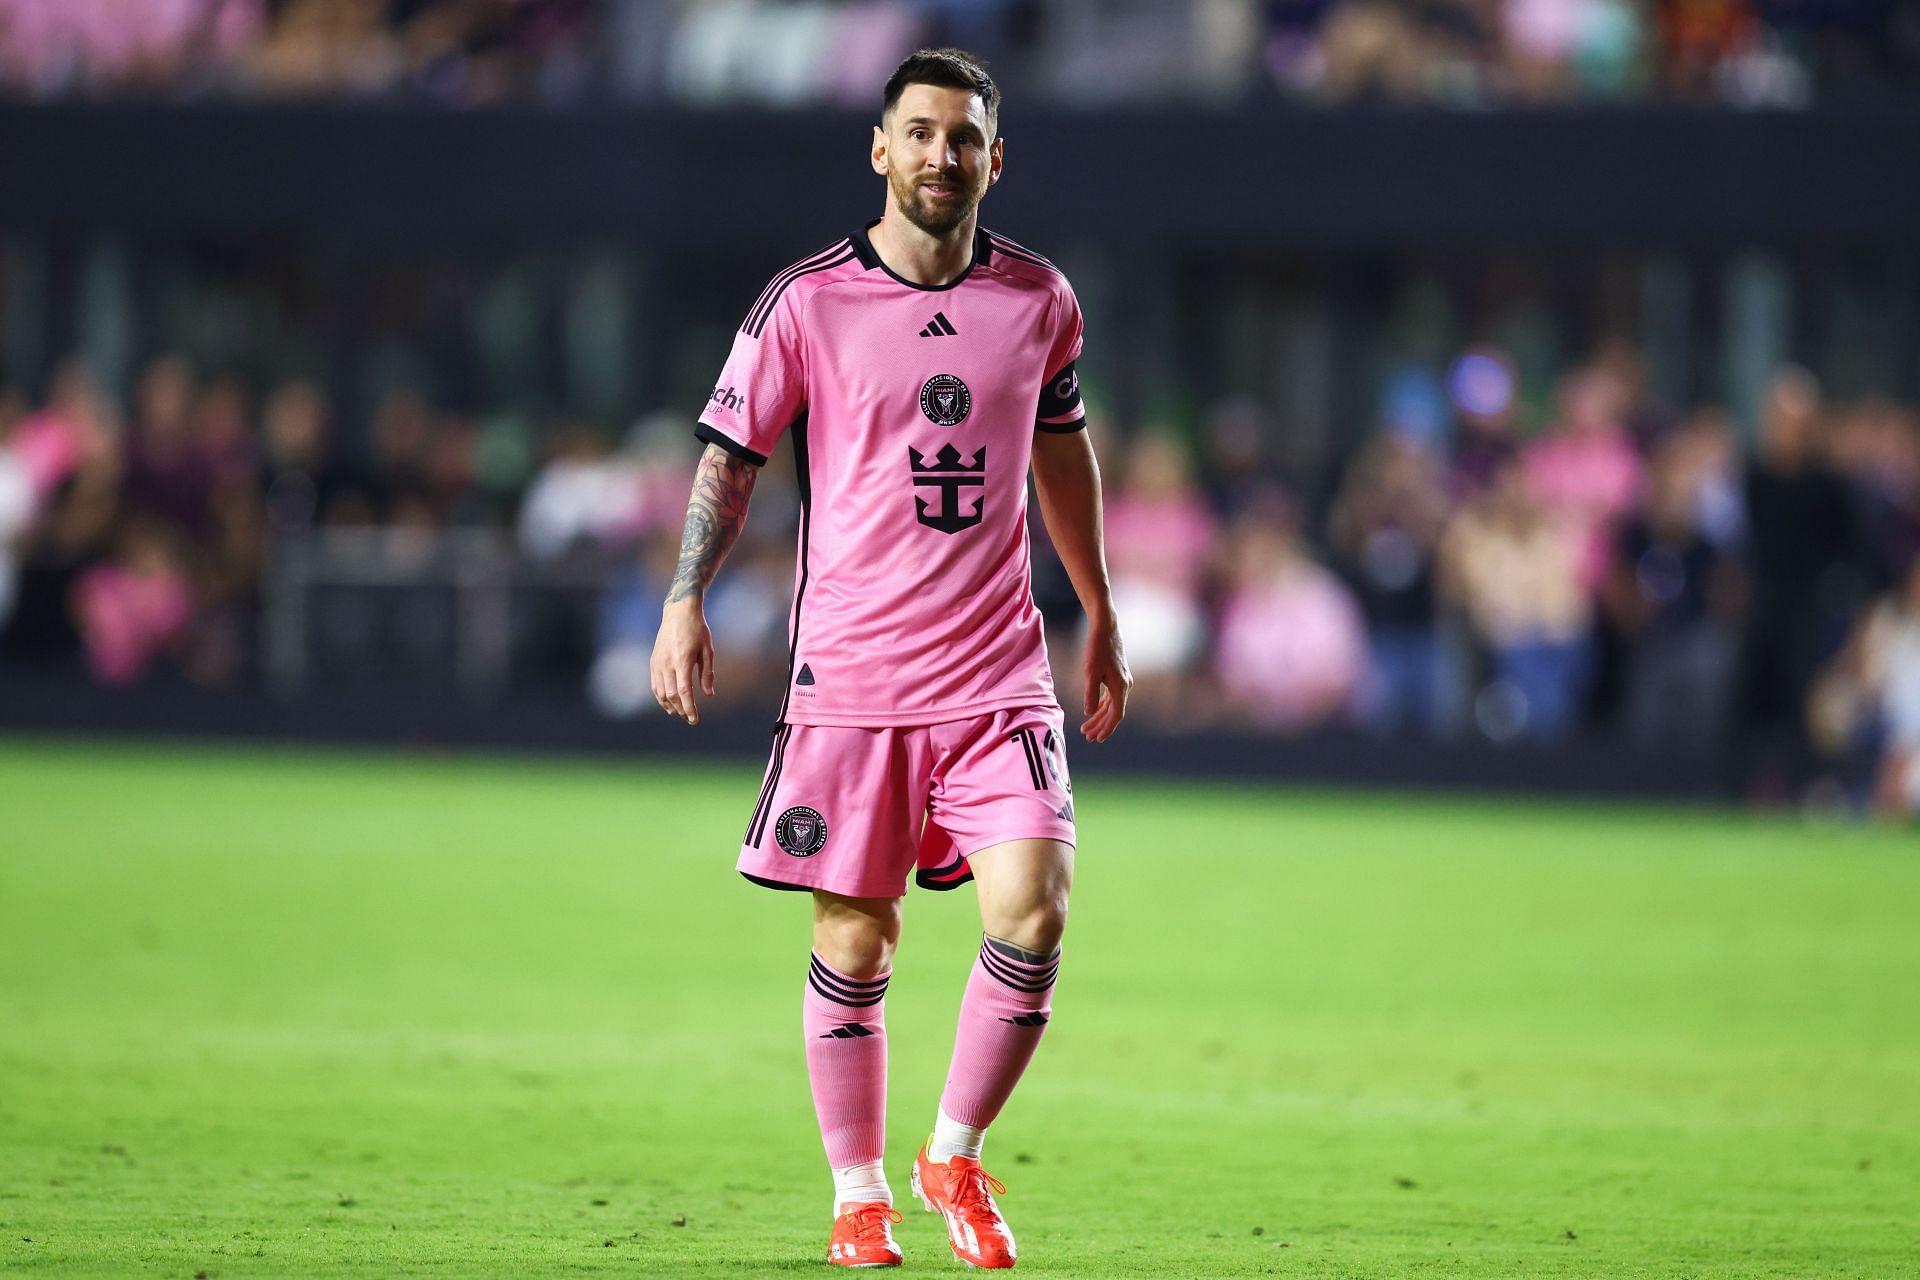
column 948, row 69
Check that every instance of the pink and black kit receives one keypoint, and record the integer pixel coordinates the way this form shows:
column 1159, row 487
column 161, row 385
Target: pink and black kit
column 919, row 723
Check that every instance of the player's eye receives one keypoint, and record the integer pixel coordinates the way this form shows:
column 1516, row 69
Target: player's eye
column 918, row 135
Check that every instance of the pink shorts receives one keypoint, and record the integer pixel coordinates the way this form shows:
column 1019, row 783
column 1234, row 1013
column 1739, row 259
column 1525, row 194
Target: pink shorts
column 853, row 811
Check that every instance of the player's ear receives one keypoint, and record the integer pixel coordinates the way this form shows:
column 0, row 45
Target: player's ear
column 879, row 156
column 996, row 157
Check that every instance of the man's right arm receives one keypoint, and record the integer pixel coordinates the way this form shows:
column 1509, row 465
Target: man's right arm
column 716, row 512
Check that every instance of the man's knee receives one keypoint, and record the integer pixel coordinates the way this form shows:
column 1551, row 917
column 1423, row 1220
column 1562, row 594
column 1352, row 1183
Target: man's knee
column 857, row 936
column 1033, row 919
column 1038, row 926
column 1023, row 892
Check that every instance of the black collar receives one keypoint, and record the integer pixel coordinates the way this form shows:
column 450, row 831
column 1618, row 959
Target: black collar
column 863, row 250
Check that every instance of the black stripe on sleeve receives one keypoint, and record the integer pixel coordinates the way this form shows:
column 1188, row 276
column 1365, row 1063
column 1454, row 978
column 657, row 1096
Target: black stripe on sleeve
column 711, row 434
column 755, row 326
column 783, row 273
column 1019, row 251
column 771, row 294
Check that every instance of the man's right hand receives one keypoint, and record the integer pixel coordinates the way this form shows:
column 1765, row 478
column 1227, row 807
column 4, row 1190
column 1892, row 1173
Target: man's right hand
column 682, row 664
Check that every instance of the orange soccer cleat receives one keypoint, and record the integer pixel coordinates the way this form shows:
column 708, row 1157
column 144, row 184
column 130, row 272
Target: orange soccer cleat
column 960, row 1191
column 863, row 1236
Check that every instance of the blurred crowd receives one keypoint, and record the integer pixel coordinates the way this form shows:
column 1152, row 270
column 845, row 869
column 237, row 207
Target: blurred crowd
column 1619, row 567
column 1468, row 53
column 1612, row 566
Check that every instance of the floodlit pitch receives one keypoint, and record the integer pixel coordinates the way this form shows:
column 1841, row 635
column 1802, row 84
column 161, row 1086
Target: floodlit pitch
column 310, row 1014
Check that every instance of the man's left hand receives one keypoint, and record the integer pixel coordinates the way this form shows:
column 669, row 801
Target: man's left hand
column 1108, row 681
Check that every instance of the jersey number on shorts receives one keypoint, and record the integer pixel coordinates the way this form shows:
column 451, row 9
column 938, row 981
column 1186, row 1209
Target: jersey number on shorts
column 1042, row 760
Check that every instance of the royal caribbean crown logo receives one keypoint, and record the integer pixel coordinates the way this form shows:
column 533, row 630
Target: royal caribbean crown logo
column 949, row 472
column 945, row 399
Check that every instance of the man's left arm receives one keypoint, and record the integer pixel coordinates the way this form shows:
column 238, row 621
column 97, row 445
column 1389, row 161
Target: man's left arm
column 1067, row 479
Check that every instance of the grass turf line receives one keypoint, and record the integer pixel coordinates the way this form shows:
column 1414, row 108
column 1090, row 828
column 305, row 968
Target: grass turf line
column 268, row 1013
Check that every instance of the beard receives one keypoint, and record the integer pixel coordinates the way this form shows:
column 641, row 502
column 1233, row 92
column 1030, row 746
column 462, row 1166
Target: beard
column 936, row 218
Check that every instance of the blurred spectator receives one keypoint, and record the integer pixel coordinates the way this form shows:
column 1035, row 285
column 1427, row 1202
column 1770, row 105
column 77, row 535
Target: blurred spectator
column 1879, row 681
column 136, row 607
column 451, row 473
column 1483, row 390
column 52, row 48
column 38, row 452
column 1876, row 451
column 168, row 480
column 300, row 478
column 61, row 468
column 400, row 489
column 1800, row 543
column 1515, row 572
column 1291, row 651
column 325, row 47
column 1586, row 471
column 1234, row 468
column 1386, row 530
column 1559, row 49
column 1674, row 593
column 569, row 501
column 1159, row 536
column 1371, row 50
column 229, row 568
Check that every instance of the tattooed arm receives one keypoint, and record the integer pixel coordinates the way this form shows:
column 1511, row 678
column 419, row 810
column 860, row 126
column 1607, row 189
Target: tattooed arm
column 683, row 651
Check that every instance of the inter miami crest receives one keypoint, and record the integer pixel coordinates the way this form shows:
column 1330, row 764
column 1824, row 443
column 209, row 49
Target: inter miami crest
column 801, row 831
column 945, row 399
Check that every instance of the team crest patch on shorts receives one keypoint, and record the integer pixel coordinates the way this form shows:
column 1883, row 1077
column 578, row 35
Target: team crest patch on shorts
column 945, row 399
column 801, row 831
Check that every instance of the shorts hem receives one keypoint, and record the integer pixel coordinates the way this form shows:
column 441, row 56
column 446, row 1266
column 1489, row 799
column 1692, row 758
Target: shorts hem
column 952, row 875
column 920, row 719
column 803, row 886
column 1064, row 836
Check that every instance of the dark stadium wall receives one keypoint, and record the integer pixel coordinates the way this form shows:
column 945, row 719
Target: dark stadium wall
column 426, row 719
column 1276, row 177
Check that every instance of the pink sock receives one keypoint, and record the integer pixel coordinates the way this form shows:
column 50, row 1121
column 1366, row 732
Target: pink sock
column 845, row 1022
column 1009, row 998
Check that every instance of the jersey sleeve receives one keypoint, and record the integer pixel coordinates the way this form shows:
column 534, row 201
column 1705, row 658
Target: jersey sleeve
column 1060, row 408
column 762, row 388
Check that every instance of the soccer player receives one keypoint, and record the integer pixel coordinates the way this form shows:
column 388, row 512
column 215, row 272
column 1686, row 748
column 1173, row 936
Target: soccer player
column 921, row 367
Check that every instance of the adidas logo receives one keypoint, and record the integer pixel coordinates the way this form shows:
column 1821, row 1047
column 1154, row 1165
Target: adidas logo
column 805, row 676
column 940, row 328
column 1065, row 811
column 1028, row 1020
column 852, row 1031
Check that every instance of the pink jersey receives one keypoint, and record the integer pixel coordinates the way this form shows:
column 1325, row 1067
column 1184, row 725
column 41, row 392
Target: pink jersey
column 912, row 411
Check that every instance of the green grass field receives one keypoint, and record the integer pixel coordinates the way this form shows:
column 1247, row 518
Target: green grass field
column 307, row 1014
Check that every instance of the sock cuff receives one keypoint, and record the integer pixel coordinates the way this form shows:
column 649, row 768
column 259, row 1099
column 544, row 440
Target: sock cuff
column 838, row 988
column 1017, row 967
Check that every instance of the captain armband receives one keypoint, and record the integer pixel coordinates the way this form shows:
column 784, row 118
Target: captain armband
column 1060, row 407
